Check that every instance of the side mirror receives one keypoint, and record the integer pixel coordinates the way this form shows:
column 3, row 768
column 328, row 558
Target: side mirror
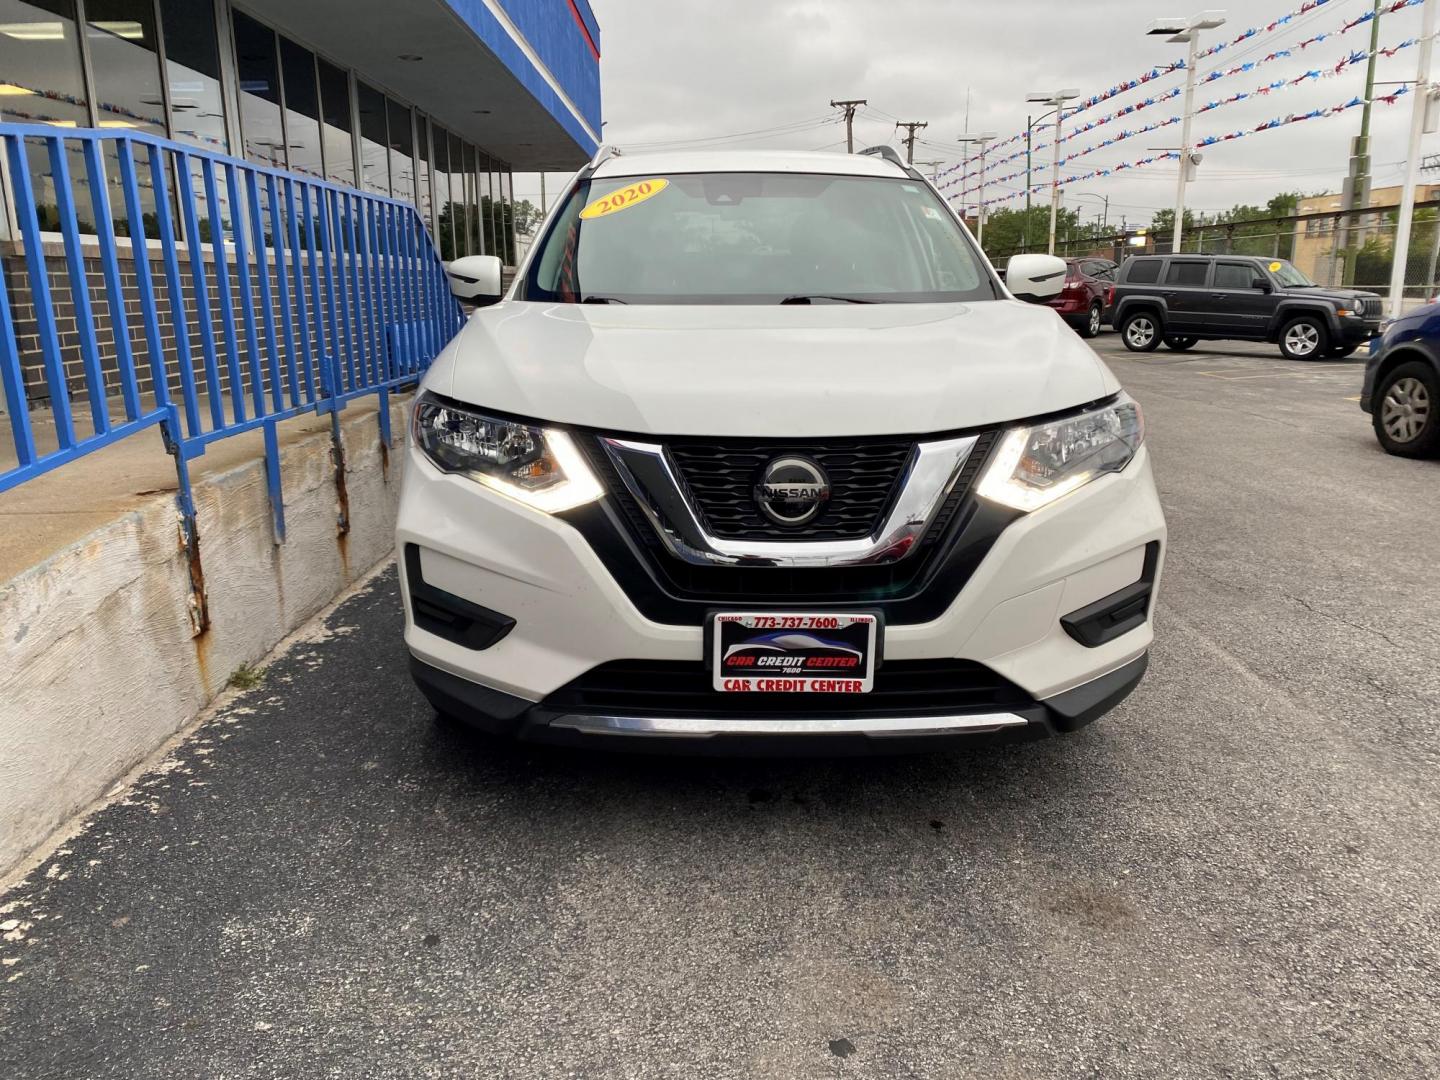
column 475, row 279
column 1260, row 283
column 1035, row 278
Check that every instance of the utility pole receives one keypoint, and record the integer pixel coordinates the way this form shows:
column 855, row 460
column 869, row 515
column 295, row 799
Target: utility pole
column 849, row 107
column 542, row 196
column 1056, row 99
column 1186, row 31
column 1418, row 108
column 910, row 126
column 1355, row 194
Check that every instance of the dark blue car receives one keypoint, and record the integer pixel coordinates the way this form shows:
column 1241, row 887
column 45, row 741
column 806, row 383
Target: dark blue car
column 1402, row 385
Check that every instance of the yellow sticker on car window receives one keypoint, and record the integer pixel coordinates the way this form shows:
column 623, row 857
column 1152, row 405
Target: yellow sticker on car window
column 1275, row 267
column 625, row 198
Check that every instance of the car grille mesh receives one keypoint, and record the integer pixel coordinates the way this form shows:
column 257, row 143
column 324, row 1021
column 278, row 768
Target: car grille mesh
column 721, row 477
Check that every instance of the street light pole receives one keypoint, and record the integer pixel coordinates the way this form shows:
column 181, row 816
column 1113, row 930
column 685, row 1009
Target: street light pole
column 1186, row 31
column 1412, row 161
column 1105, row 201
column 1056, row 99
column 981, row 139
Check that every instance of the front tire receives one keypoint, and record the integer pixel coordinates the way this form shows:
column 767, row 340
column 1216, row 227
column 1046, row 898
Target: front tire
column 1180, row 344
column 1407, row 411
column 1141, row 331
column 1304, row 338
column 1091, row 326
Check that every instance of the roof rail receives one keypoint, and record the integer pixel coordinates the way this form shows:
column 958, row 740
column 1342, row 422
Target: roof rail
column 889, row 153
column 604, row 154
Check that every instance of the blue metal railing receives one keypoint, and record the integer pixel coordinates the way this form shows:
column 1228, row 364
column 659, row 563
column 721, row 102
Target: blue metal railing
column 274, row 295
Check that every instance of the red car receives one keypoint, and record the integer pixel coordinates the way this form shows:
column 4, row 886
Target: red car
column 1084, row 302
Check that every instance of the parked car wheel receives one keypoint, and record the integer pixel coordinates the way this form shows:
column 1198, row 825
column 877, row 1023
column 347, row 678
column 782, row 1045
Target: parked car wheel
column 1339, row 352
column 1407, row 411
column 1091, row 326
column 1141, row 331
column 1304, row 338
column 1180, row 344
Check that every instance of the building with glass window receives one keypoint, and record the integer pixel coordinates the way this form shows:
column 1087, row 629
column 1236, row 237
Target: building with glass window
column 435, row 102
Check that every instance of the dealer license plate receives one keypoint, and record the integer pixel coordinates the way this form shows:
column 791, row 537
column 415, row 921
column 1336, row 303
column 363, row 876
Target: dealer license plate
column 794, row 653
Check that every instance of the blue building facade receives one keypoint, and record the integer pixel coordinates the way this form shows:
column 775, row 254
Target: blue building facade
column 433, row 101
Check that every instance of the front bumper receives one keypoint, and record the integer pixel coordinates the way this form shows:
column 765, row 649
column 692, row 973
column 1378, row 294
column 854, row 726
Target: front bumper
column 1353, row 331
column 571, row 616
column 721, row 732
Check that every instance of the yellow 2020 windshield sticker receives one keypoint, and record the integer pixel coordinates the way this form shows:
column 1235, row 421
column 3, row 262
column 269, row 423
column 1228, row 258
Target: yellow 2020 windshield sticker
column 624, row 198
column 1275, row 267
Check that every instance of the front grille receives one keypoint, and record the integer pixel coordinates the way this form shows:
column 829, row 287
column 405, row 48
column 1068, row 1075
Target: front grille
column 670, row 590
column 721, row 477
column 683, row 688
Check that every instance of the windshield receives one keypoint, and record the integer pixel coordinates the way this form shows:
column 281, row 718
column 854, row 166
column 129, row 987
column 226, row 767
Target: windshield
column 755, row 238
column 1288, row 275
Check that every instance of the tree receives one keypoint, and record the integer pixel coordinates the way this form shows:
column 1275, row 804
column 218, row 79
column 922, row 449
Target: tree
column 527, row 216
column 1009, row 231
column 1242, row 230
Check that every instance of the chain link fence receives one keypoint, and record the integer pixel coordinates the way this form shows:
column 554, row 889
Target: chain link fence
column 1354, row 249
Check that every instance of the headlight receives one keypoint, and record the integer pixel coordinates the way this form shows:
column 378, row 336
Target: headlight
column 1037, row 465
column 540, row 467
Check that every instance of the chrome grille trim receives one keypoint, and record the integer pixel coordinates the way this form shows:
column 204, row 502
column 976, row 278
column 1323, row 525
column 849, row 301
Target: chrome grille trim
column 650, row 477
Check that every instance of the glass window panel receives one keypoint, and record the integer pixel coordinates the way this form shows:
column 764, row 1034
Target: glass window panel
column 259, row 74
column 497, row 210
column 339, row 130
column 457, row 194
column 444, row 204
column 423, row 163
column 126, row 64
column 40, row 83
column 192, row 64
column 473, row 243
column 1235, row 276
column 1187, row 273
column 374, row 139
column 402, row 151
column 497, row 214
column 302, row 109
column 507, row 189
column 483, row 230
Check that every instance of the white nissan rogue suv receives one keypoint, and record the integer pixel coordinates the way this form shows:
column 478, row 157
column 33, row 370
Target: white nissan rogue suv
column 759, row 450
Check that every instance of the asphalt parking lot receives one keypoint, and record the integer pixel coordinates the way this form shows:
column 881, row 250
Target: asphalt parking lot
column 1233, row 875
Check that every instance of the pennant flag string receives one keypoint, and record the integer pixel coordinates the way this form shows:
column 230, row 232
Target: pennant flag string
column 971, row 178
column 1212, row 140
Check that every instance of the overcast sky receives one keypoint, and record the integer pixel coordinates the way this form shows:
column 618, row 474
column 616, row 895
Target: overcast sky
column 697, row 69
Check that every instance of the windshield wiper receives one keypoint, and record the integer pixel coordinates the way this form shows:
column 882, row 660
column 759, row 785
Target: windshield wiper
column 602, row 300
column 804, row 299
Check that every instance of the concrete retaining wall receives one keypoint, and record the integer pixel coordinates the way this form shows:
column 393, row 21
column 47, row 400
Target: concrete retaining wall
column 98, row 665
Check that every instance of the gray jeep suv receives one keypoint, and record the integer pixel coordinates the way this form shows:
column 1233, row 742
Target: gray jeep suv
column 1182, row 299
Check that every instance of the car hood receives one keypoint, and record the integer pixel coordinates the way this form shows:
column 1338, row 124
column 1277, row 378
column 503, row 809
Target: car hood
column 1337, row 295
column 792, row 370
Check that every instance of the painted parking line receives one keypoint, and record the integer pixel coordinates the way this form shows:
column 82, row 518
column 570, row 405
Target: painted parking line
column 1227, row 377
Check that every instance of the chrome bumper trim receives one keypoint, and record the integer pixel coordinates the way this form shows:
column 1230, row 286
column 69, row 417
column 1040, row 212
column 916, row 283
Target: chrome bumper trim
column 704, row 727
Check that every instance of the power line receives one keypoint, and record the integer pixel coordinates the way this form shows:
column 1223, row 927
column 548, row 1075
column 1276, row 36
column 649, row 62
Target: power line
column 780, row 129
